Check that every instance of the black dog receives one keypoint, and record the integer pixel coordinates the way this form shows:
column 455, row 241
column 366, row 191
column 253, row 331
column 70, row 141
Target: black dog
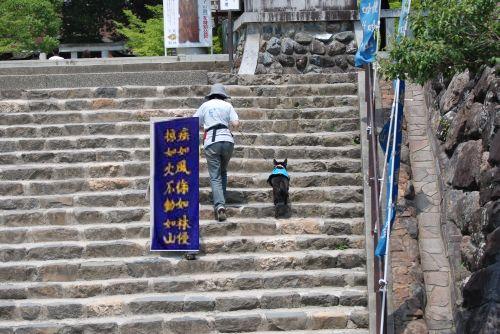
column 280, row 181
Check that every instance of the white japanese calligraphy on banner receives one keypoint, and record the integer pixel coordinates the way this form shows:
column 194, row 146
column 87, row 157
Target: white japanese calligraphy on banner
column 187, row 23
column 230, row 5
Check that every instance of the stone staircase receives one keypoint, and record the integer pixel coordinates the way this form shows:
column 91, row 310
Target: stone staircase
column 74, row 221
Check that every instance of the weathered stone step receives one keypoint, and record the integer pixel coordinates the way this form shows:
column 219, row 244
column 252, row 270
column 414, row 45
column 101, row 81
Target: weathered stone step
column 327, row 139
column 337, row 319
column 182, row 91
column 266, row 102
column 143, row 115
column 208, row 228
column 296, row 126
column 235, row 180
column 160, row 265
column 62, row 171
column 261, row 210
column 41, row 81
column 181, row 302
column 42, row 251
column 226, row 281
column 142, row 154
column 97, row 215
column 125, row 198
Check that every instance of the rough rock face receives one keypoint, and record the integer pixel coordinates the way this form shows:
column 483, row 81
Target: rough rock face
column 466, row 119
column 307, row 48
column 481, row 293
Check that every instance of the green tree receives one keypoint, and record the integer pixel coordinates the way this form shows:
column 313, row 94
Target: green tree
column 144, row 38
column 29, row 25
column 83, row 19
column 448, row 36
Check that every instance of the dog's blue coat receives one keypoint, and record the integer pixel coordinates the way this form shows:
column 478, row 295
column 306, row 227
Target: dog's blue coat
column 279, row 171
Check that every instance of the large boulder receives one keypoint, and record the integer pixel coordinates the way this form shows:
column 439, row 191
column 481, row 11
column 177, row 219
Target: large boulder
column 285, row 60
column 287, row 46
column 452, row 95
column 303, row 38
column 470, row 122
column 274, row 46
column 316, row 47
column 464, row 210
column 344, row 36
column 464, row 166
column 481, row 293
column 336, row 48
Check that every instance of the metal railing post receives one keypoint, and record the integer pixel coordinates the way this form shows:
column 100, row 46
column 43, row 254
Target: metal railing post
column 373, row 176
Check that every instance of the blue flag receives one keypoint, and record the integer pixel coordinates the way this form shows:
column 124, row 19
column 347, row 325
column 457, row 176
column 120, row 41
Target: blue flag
column 175, row 185
column 392, row 170
column 369, row 15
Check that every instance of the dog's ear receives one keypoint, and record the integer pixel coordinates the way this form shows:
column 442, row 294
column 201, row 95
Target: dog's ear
column 285, row 162
column 275, row 162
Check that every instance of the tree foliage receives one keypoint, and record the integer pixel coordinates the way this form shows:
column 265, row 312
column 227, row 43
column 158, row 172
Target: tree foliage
column 144, row 38
column 447, row 37
column 84, row 19
column 29, row 25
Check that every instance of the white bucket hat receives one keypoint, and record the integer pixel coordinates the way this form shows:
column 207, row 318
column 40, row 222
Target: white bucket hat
column 218, row 89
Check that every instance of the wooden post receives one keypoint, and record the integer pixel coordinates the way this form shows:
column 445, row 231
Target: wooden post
column 230, row 38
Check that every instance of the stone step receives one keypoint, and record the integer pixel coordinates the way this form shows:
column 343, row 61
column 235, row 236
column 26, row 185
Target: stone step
column 337, row 319
column 113, row 215
column 142, row 154
column 208, row 228
column 125, row 198
column 137, row 304
column 161, row 265
column 112, row 79
column 143, row 115
column 62, row 171
column 180, row 91
column 143, row 128
column 225, row 281
column 235, row 180
column 116, row 65
column 261, row 210
column 43, row 251
column 327, row 139
column 283, row 102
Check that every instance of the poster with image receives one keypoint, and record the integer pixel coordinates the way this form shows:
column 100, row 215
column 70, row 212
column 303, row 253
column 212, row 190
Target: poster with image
column 187, row 23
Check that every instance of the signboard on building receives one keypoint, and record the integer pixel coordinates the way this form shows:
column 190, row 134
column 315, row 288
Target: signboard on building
column 174, row 184
column 188, row 23
column 230, row 5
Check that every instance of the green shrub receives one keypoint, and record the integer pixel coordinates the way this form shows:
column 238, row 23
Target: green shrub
column 144, row 38
column 449, row 36
column 29, row 25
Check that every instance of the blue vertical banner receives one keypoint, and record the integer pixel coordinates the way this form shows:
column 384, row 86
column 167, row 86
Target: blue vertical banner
column 392, row 167
column 369, row 16
column 175, row 184
column 403, row 19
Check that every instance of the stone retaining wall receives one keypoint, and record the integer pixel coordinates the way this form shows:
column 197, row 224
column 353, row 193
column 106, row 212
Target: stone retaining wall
column 464, row 118
column 294, row 48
